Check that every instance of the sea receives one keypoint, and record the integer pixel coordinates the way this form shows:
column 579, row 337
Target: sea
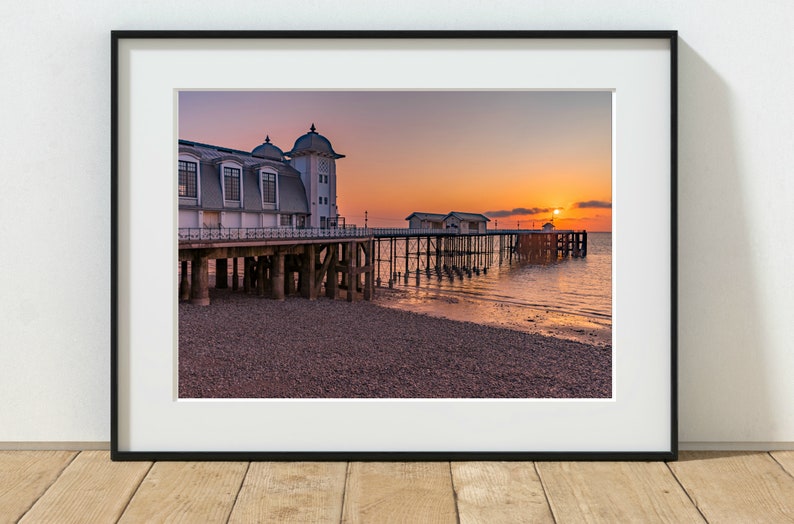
column 570, row 298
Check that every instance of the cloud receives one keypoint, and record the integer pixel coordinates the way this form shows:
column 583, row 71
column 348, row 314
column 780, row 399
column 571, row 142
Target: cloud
column 518, row 211
column 594, row 203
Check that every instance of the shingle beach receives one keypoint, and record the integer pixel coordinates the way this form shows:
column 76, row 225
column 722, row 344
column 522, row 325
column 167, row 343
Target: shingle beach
column 242, row 346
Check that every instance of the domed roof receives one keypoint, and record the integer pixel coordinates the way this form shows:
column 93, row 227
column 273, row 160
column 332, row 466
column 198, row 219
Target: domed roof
column 313, row 142
column 268, row 150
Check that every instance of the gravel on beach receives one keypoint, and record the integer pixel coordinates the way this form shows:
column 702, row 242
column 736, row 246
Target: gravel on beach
column 243, row 346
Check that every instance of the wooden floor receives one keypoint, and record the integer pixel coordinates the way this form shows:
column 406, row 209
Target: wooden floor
column 65, row 486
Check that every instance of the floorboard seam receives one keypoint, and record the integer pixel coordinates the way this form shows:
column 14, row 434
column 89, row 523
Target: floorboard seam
column 134, row 492
column 344, row 493
column 545, row 493
column 787, row 472
column 686, row 492
column 48, row 487
column 454, row 494
column 239, row 490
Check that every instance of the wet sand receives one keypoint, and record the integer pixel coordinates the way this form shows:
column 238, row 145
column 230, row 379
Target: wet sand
column 243, row 346
column 541, row 321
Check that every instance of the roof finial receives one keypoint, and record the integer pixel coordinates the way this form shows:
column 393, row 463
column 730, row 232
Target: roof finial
column 267, row 139
column 312, row 128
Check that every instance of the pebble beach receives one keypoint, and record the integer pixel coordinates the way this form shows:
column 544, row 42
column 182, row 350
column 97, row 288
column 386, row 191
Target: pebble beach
column 243, row 346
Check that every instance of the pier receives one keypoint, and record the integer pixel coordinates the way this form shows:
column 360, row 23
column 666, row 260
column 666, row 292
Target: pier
column 408, row 254
column 277, row 262
column 350, row 262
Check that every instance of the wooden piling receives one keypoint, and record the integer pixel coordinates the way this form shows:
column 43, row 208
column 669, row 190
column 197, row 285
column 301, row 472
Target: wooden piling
column 261, row 275
column 199, row 288
column 332, row 276
column 247, row 261
column 277, row 277
column 369, row 288
column 221, row 274
column 235, row 277
column 307, row 273
column 184, row 283
column 351, row 271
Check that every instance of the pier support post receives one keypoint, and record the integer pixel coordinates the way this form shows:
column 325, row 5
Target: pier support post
column 235, row 277
column 352, row 278
column 307, row 273
column 221, row 273
column 199, row 292
column 369, row 264
column 277, row 276
column 331, row 275
column 289, row 277
column 345, row 260
column 247, row 274
column 184, row 284
column 261, row 282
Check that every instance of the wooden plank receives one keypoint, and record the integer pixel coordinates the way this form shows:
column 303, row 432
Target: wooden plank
column 499, row 492
column 785, row 459
column 386, row 492
column 25, row 476
column 736, row 486
column 187, row 492
column 615, row 492
column 291, row 492
column 90, row 489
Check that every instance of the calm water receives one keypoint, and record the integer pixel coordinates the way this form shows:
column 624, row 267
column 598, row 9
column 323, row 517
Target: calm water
column 579, row 289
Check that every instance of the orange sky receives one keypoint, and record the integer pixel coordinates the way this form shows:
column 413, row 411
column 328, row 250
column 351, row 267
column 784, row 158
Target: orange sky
column 512, row 155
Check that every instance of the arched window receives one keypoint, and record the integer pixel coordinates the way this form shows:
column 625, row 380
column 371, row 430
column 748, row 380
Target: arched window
column 268, row 181
column 231, row 178
column 188, row 178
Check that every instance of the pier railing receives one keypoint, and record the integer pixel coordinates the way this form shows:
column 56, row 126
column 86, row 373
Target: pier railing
column 215, row 234
column 410, row 232
column 206, row 234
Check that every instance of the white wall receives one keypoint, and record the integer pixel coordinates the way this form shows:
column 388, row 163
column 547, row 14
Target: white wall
column 736, row 171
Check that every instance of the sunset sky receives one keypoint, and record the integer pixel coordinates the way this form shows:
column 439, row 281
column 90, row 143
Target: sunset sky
column 514, row 156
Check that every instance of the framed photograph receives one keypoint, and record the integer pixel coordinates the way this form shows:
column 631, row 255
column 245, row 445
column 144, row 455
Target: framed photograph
column 394, row 245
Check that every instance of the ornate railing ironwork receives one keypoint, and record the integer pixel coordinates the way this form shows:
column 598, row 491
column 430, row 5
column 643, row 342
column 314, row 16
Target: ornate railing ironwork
column 223, row 234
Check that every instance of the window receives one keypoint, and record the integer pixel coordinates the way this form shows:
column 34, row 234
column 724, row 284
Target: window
column 326, row 179
column 187, row 179
column 320, row 179
column 231, row 183
column 268, row 188
column 286, row 220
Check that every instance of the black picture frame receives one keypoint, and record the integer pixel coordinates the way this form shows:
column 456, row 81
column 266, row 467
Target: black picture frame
column 122, row 157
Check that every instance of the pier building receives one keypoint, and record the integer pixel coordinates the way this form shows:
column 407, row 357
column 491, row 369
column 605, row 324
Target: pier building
column 464, row 223
column 220, row 187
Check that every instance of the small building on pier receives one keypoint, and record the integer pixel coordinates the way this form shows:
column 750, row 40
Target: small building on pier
column 419, row 220
column 467, row 223
column 463, row 223
column 221, row 187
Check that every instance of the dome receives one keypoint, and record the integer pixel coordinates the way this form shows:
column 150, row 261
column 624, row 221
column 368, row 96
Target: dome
column 313, row 142
column 268, row 150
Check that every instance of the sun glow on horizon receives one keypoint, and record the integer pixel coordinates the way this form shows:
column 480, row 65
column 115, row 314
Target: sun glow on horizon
column 510, row 155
